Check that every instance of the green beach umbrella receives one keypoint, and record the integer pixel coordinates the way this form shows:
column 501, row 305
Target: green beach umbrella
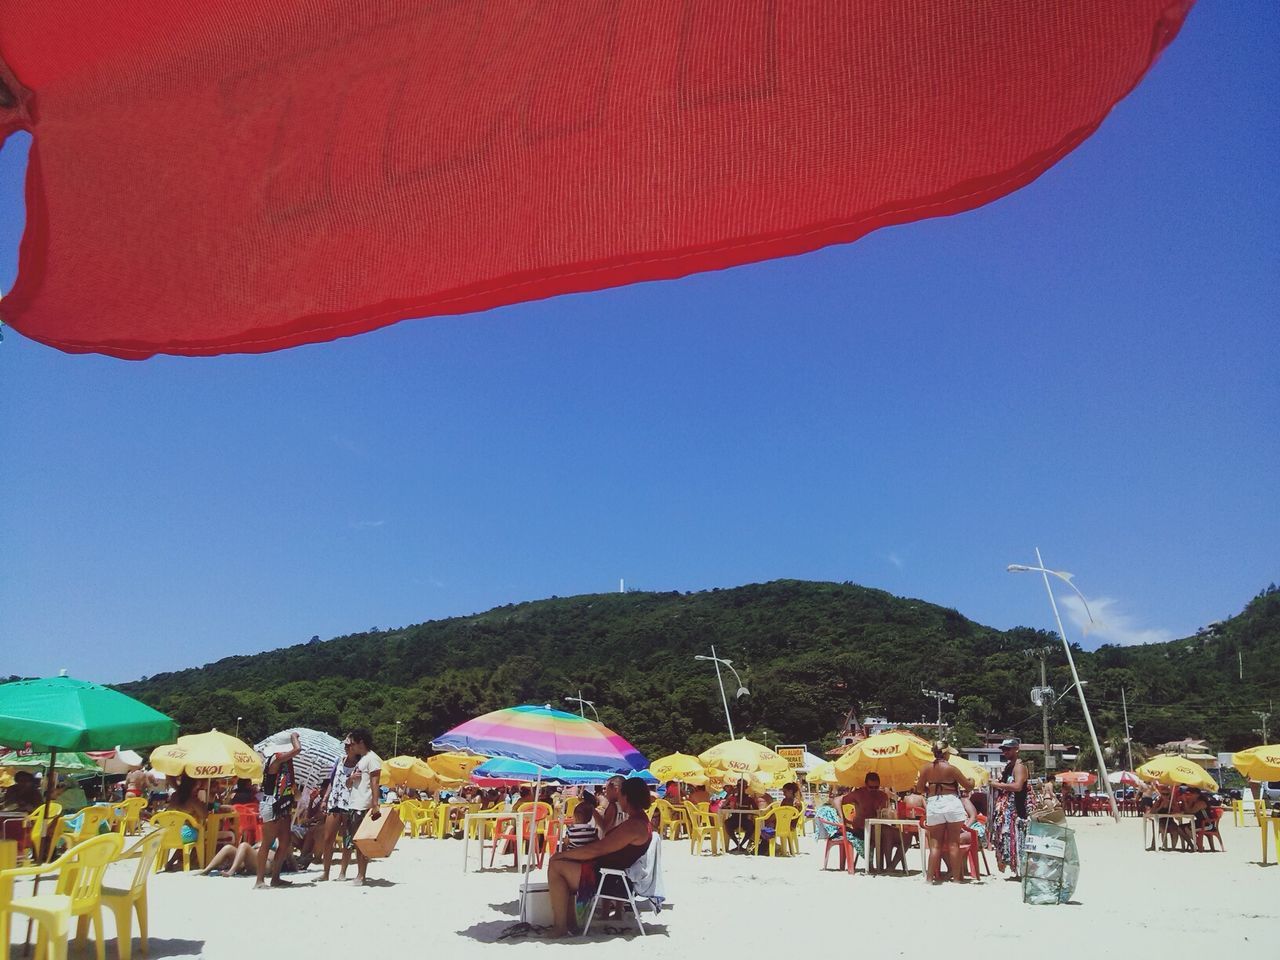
column 71, row 763
column 62, row 713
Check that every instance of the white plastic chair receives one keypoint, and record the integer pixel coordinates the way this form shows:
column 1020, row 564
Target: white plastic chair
column 651, row 865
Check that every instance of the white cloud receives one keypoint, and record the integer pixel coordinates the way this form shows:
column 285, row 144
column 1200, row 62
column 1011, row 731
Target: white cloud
column 1110, row 625
column 366, row 524
column 895, row 560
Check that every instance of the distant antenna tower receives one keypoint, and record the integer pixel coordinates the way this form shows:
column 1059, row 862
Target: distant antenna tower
column 622, row 585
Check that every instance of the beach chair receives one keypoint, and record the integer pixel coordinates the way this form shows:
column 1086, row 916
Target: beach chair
column 1211, row 831
column 130, row 813
column 124, row 902
column 649, row 870
column 77, row 894
column 51, row 830
column 702, row 826
column 248, row 823
column 971, row 846
column 785, row 838
column 519, row 838
column 757, row 826
column 91, row 822
column 171, row 823
column 841, row 842
column 671, row 822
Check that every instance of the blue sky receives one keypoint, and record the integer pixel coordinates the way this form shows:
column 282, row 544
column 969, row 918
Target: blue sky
column 1088, row 365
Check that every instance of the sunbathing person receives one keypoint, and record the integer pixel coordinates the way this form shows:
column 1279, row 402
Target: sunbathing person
column 243, row 859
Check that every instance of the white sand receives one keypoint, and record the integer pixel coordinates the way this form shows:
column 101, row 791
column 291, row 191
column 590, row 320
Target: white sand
column 1168, row 905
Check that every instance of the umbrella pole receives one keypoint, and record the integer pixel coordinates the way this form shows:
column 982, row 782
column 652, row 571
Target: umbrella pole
column 42, row 848
column 533, row 843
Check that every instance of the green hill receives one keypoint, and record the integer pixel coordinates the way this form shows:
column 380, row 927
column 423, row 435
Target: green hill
column 809, row 652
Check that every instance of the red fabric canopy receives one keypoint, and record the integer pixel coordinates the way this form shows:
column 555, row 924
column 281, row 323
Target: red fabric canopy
column 240, row 175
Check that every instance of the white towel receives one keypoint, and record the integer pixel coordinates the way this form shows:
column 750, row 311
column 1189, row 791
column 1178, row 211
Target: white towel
column 646, row 875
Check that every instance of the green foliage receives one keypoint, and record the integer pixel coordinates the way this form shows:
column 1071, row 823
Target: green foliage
column 809, row 652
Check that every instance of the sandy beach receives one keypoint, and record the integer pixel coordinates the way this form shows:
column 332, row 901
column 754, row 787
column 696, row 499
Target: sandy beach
column 1155, row 904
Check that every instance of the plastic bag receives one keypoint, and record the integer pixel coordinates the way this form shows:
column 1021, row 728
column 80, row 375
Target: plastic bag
column 1052, row 865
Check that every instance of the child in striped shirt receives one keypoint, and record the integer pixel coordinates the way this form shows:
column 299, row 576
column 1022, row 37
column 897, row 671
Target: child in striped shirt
column 583, row 829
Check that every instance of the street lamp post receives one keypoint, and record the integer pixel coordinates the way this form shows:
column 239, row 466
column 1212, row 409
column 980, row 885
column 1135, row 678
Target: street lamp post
column 1071, row 662
column 720, row 680
column 395, row 749
column 582, row 705
column 238, row 719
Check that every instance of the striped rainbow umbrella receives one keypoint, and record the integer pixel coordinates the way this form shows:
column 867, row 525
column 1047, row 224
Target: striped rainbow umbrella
column 546, row 737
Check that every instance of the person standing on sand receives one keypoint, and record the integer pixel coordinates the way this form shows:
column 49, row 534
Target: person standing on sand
column 364, row 794
column 275, row 808
column 338, row 822
column 1010, row 827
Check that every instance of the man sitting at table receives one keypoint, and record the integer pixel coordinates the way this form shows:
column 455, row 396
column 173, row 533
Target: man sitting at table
column 868, row 800
column 23, row 796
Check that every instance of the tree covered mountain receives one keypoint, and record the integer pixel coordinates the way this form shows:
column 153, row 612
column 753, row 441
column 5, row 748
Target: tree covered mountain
column 809, row 652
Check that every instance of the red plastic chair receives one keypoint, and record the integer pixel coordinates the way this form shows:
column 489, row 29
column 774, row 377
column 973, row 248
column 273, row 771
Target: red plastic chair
column 971, row 845
column 505, row 830
column 908, row 812
column 248, row 824
column 848, row 855
column 1212, row 832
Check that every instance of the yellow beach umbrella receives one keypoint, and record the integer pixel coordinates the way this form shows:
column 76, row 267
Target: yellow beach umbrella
column 409, row 772
column 895, row 756
column 1173, row 770
column 763, row 780
column 976, row 772
column 824, row 772
column 679, row 767
column 455, row 765
column 1258, row 763
column 742, row 757
column 208, row 756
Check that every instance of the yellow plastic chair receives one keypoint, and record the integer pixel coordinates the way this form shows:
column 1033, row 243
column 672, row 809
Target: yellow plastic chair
column 672, row 822
column 131, row 814
column 424, row 819
column 78, row 894
column 124, row 902
column 407, row 809
column 786, row 837
column 760, row 819
column 91, row 821
column 702, row 826
column 171, row 822
column 35, row 823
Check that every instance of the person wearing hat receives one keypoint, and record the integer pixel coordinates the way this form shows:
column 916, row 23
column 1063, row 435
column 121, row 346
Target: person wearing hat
column 1012, row 808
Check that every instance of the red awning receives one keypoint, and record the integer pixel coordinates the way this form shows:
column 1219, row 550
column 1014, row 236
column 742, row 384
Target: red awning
column 234, row 175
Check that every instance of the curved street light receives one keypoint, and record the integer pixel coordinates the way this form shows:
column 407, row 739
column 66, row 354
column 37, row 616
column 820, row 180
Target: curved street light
column 1071, row 661
column 742, row 688
column 583, row 703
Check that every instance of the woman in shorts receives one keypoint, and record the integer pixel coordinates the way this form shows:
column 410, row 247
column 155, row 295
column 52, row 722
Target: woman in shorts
column 945, row 815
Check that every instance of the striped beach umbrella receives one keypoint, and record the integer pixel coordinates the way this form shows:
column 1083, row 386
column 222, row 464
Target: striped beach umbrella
column 546, row 737
column 319, row 753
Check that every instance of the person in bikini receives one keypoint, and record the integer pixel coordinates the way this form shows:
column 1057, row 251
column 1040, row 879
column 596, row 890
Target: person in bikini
column 945, row 815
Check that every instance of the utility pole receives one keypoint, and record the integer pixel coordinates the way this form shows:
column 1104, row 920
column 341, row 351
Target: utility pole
column 940, row 697
column 1128, row 742
column 1240, row 663
column 1264, row 717
column 1044, row 714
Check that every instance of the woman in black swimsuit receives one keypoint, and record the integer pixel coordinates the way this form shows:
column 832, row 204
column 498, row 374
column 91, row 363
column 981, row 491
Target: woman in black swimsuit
column 618, row 849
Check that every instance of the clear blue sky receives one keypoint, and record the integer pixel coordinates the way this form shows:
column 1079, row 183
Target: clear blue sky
column 1089, row 365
